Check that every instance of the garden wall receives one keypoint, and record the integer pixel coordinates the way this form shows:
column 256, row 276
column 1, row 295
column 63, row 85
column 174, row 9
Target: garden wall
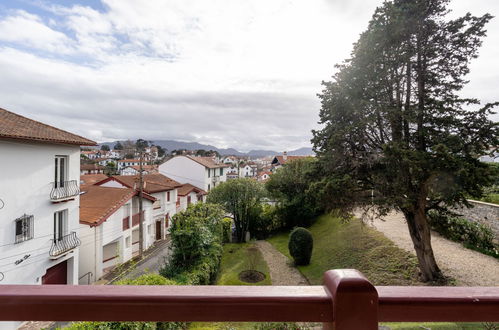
column 484, row 213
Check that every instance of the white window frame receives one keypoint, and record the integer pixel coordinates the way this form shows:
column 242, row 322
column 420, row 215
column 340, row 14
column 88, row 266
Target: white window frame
column 61, row 227
column 61, row 170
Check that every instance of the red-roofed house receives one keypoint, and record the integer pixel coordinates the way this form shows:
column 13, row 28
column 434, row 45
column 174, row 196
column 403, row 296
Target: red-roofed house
column 160, row 187
column 279, row 161
column 110, row 228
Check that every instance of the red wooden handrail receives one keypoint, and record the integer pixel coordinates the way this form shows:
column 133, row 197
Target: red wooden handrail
column 346, row 298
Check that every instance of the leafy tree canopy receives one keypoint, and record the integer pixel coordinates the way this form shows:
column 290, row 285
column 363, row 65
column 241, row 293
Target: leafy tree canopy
column 241, row 198
column 395, row 125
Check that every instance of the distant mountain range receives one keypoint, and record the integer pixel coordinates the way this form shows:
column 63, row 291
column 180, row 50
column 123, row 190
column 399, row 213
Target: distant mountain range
column 175, row 145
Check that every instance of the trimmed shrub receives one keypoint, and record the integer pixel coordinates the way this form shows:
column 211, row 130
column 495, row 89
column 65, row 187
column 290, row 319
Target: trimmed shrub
column 300, row 245
column 472, row 234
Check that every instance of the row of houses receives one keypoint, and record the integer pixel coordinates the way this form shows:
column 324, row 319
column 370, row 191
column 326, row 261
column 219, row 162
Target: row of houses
column 60, row 227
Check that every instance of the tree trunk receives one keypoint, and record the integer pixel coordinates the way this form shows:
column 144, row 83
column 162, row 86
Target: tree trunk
column 421, row 239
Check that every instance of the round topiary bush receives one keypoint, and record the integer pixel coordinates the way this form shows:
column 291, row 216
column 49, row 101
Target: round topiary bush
column 300, row 245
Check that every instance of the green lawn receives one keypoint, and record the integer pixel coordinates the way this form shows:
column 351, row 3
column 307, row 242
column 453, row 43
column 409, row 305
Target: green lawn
column 235, row 260
column 354, row 245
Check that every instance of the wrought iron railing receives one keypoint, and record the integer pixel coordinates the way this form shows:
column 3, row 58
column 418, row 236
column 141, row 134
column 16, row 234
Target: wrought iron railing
column 346, row 301
column 64, row 244
column 62, row 190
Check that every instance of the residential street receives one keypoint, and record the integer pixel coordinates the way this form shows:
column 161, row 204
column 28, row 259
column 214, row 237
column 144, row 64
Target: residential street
column 153, row 261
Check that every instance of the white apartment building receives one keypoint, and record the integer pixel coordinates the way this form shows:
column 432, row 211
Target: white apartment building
column 248, row 171
column 39, row 203
column 202, row 172
column 110, row 229
column 162, row 188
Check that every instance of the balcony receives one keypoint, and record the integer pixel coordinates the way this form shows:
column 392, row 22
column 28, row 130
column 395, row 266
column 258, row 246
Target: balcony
column 63, row 245
column 215, row 178
column 64, row 190
column 135, row 219
column 347, row 300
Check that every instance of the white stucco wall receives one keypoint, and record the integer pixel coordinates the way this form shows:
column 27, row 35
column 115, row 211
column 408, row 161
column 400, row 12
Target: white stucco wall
column 26, row 176
column 185, row 170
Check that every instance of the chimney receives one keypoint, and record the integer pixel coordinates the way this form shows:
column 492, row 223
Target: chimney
column 285, row 155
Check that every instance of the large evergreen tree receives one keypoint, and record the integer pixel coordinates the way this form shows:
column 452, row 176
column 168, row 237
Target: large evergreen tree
column 396, row 133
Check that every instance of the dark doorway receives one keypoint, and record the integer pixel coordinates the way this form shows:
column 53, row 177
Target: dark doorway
column 57, row 274
column 158, row 230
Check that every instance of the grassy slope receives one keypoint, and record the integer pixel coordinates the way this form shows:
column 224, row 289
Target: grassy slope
column 354, row 245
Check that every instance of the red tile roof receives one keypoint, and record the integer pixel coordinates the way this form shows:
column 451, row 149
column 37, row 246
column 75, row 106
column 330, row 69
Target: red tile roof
column 98, row 203
column 187, row 188
column 90, row 179
column 14, row 126
column 154, row 182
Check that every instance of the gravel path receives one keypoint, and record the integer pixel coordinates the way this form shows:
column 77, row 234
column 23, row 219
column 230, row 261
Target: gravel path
column 468, row 267
column 281, row 272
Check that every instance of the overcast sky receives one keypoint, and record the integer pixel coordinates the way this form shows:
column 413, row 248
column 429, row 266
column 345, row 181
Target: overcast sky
column 231, row 73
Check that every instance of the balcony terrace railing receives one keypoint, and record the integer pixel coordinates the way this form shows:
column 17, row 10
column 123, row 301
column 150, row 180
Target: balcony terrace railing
column 346, row 301
column 62, row 245
column 64, row 190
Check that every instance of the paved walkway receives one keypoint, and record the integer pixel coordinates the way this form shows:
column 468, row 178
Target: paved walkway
column 468, row 267
column 281, row 272
column 153, row 262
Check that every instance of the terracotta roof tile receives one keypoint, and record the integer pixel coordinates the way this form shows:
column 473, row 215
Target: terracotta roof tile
column 90, row 179
column 186, row 189
column 154, row 182
column 14, row 126
column 99, row 203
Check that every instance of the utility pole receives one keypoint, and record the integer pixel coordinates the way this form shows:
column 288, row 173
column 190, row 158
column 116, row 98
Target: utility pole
column 141, row 217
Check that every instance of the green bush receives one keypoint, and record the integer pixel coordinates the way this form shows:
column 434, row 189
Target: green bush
column 227, row 230
column 196, row 236
column 265, row 221
column 147, row 279
column 300, row 245
column 473, row 235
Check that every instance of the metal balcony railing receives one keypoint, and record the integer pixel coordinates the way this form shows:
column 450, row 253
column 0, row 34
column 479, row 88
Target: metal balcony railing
column 63, row 190
column 346, row 301
column 64, row 244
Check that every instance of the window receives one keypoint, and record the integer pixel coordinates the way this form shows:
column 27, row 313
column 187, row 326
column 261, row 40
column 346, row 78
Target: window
column 221, row 171
column 189, row 200
column 209, row 172
column 208, row 187
column 60, row 224
column 61, row 171
column 168, row 196
column 214, row 173
column 24, row 228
